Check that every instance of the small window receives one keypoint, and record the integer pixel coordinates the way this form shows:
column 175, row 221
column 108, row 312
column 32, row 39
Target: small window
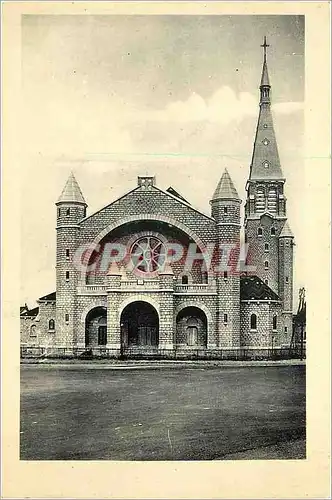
column 67, row 275
column 59, row 212
column 225, row 210
column 260, row 231
column 33, row 331
column 67, row 318
column 253, row 322
column 266, row 264
column 266, row 282
column 102, row 335
column 274, row 323
column 266, row 247
column 51, row 324
column 225, row 275
column 286, row 329
column 204, row 277
column 225, row 318
column 286, row 279
column 184, row 280
column 273, row 231
column 287, row 243
column 192, row 335
column 67, row 253
column 68, row 211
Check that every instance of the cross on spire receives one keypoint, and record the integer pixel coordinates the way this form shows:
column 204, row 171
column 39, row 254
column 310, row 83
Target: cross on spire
column 265, row 45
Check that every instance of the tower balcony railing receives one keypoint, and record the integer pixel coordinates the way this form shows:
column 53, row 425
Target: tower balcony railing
column 147, row 285
column 197, row 288
column 92, row 289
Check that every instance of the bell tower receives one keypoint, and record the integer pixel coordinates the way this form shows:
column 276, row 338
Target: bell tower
column 267, row 233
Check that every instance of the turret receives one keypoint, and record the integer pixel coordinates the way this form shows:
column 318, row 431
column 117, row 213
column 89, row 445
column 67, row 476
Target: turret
column 71, row 209
column 71, row 205
column 225, row 209
column 286, row 244
column 225, row 203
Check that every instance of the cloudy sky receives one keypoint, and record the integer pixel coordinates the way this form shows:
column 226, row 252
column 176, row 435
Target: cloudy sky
column 112, row 97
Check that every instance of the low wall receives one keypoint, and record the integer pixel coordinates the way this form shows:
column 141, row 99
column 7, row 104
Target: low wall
column 155, row 353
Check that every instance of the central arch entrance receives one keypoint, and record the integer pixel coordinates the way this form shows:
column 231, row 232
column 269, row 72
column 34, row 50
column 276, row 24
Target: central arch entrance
column 139, row 325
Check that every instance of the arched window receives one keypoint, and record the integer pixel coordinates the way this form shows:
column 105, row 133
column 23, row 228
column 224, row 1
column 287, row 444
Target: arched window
column 253, row 322
column 184, row 280
column 266, row 282
column 273, row 231
column 260, row 231
column 51, row 324
column 225, row 275
column 274, row 322
column 33, row 331
column 204, row 277
column 260, row 200
column 225, row 318
column 266, row 264
column 59, row 212
column 68, row 211
column 272, row 200
column 225, row 210
column 266, row 247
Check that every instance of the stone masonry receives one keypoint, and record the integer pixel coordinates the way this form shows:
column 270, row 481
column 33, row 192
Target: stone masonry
column 150, row 301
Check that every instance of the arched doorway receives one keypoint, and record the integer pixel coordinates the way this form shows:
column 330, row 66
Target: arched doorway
column 139, row 325
column 96, row 327
column 191, row 327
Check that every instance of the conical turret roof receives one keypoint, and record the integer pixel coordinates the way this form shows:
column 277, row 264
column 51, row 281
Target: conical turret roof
column 71, row 192
column 286, row 231
column 226, row 188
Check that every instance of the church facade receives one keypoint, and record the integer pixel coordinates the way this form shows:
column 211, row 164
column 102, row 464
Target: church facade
column 149, row 273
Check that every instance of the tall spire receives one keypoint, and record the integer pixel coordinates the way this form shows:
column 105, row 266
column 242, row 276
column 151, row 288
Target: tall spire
column 71, row 192
column 265, row 82
column 265, row 164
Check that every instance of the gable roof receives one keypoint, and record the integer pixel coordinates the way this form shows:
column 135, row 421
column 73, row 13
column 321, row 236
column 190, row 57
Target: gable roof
column 50, row 296
column 175, row 193
column 29, row 312
column 180, row 200
column 253, row 288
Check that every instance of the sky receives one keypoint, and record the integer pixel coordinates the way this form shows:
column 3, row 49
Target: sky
column 113, row 97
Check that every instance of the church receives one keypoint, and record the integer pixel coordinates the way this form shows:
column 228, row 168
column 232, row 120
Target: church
column 150, row 274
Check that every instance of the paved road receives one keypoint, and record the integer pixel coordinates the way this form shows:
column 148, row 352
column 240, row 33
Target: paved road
column 158, row 413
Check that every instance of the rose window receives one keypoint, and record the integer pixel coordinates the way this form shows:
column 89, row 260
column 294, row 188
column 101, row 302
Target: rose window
column 148, row 254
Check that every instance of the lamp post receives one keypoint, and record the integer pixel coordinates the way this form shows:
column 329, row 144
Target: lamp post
column 272, row 353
